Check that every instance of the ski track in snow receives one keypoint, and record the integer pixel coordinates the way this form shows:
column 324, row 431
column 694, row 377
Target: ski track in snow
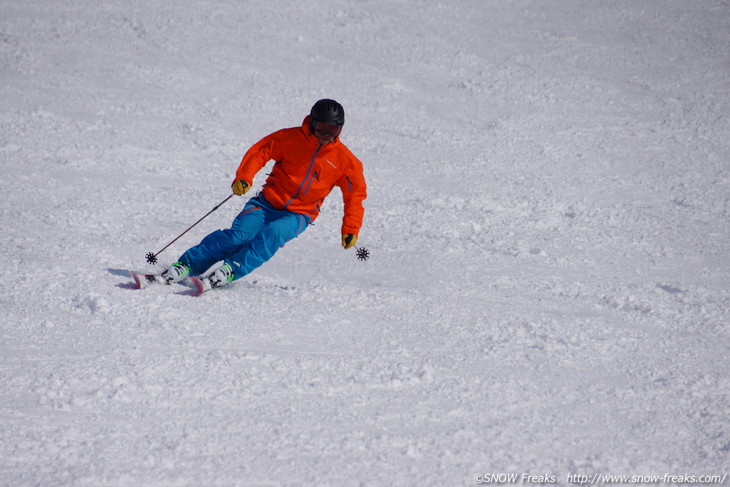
column 548, row 218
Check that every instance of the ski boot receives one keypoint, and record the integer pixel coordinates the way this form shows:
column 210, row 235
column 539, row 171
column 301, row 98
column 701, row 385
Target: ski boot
column 222, row 275
column 175, row 273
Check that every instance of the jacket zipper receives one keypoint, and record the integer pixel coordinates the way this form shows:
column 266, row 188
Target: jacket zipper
column 314, row 176
column 306, row 176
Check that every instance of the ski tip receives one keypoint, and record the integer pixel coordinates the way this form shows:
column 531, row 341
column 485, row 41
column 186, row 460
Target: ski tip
column 201, row 285
column 198, row 285
column 138, row 281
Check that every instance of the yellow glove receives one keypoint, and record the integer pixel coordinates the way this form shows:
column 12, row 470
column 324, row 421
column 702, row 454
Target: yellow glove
column 240, row 187
column 348, row 240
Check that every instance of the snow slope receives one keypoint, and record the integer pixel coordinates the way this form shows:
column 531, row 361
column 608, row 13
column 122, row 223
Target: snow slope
column 548, row 219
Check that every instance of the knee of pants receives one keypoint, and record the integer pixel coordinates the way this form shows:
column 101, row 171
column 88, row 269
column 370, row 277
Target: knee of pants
column 274, row 236
column 286, row 229
column 221, row 241
column 246, row 225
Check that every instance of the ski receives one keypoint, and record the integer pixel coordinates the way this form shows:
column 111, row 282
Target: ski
column 202, row 284
column 142, row 280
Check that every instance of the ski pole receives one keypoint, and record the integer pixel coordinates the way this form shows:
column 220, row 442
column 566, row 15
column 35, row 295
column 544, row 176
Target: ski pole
column 152, row 258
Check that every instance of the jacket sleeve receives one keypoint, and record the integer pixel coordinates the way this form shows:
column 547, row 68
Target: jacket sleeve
column 258, row 155
column 354, row 192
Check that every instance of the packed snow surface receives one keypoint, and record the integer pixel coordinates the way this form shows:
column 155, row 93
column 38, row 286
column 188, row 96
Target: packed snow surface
column 548, row 218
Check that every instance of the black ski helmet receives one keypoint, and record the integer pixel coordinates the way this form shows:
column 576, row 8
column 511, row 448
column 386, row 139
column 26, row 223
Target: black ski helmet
column 328, row 111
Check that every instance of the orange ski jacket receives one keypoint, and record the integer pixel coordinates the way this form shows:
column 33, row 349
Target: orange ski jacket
column 305, row 173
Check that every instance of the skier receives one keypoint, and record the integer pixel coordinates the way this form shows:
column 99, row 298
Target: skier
column 310, row 161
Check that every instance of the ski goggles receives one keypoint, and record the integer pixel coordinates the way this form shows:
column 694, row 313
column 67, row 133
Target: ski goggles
column 326, row 130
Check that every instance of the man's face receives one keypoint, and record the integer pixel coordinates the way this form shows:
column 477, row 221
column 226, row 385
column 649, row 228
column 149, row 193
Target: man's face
column 325, row 132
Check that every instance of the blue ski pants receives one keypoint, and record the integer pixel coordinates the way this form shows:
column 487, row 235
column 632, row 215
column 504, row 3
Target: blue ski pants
column 254, row 237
